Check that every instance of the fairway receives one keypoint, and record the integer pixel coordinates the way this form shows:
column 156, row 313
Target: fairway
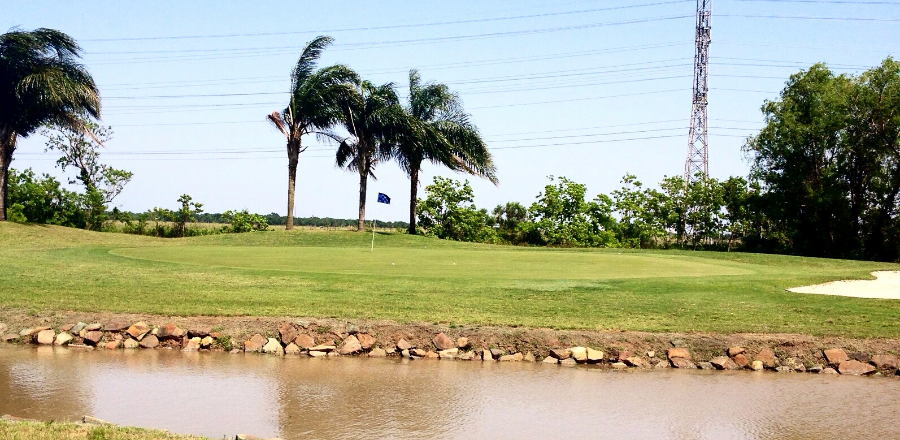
column 333, row 274
column 466, row 264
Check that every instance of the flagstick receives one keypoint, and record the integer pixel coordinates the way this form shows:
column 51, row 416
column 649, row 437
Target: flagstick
column 373, row 235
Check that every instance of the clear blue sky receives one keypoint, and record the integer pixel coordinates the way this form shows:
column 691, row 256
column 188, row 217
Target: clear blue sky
column 589, row 90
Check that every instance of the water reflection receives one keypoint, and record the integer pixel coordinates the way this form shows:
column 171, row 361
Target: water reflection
column 215, row 394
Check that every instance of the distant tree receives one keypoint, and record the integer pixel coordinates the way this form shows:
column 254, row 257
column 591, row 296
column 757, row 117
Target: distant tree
column 102, row 183
column 448, row 212
column 41, row 83
column 375, row 120
column 440, row 132
column 187, row 213
column 563, row 217
column 314, row 106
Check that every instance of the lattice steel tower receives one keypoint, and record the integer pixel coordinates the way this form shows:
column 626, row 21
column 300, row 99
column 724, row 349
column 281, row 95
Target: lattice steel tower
column 698, row 144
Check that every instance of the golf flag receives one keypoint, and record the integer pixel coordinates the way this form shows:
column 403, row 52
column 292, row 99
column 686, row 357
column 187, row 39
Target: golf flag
column 383, row 198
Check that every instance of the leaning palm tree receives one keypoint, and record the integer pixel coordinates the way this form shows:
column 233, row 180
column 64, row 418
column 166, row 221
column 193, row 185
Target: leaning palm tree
column 313, row 106
column 41, row 83
column 440, row 132
column 375, row 120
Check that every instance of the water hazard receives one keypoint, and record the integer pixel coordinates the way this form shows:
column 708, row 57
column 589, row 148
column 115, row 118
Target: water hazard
column 217, row 394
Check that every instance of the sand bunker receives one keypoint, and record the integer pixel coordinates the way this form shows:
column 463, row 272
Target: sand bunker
column 886, row 286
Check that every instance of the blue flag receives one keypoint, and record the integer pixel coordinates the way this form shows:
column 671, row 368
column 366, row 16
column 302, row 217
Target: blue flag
column 383, row 198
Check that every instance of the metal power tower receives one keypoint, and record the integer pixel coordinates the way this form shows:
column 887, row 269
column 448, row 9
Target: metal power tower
column 698, row 143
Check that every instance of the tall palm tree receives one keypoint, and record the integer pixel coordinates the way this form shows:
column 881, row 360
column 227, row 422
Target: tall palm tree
column 315, row 94
column 440, row 132
column 375, row 120
column 41, row 82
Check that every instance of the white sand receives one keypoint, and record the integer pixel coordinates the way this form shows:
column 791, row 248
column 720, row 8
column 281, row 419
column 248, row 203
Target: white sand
column 886, row 286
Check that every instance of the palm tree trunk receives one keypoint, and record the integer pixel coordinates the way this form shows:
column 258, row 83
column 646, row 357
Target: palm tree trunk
column 293, row 153
column 413, row 193
column 363, row 181
column 7, row 145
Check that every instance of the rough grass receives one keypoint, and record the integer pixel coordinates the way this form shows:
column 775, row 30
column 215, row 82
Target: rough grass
column 334, row 274
column 72, row 431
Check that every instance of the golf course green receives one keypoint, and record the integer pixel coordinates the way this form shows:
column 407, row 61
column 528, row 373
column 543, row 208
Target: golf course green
column 335, row 274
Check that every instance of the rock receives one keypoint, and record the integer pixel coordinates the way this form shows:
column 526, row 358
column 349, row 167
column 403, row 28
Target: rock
column 63, row 338
column 636, row 361
column 512, row 357
column 757, row 365
column 350, row 345
column 449, row 353
column 93, row 337
column 579, row 354
column 680, row 362
column 138, row 330
column 327, row 348
column 594, row 355
column 430, row 355
column 835, row 356
column 352, row 330
column 405, row 354
column 817, row 368
column 705, row 366
column 829, row 370
column 677, row 342
column 619, row 365
column 77, row 328
column 46, row 337
column 622, row 355
column 529, row 357
column 678, row 352
column 88, row 420
column 206, row 342
column 418, row 352
column 651, row 354
column 462, row 342
column 855, row 368
column 403, row 344
column 236, row 351
column 316, row 353
column 734, row 351
column 661, row 364
column 560, row 353
column 862, row 357
column 366, row 341
column 131, row 344
column 377, row 353
column 442, row 342
column 29, row 332
column 496, row 353
column 116, row 325
column 200, row 332
column 113, row 345
column 292, row 348
column 304, row 341
column 550, row 360
column 793, row 364
column 568, row 362
column 486, row 355
column 169, row 331
column 64, row 328
column 9, row 338
column 885, row 361
column 741, row 360
column 255, row 343
column 783, row 369
column 273, row 346
column 767, row 357
column 288, row 333
column 724, row 363
column 466, row 356
column 149, row 342
column 93, row 327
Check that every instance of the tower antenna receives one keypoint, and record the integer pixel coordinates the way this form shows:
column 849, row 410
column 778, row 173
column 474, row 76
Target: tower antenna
column 698, row 144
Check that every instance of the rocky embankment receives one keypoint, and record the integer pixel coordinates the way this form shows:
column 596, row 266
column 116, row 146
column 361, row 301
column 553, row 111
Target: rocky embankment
column 616, row 350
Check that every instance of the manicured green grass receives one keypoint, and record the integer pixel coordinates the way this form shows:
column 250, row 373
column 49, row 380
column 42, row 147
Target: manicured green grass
column 408, row 278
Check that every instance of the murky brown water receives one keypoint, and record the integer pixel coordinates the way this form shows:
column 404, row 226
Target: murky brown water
column 218, row 394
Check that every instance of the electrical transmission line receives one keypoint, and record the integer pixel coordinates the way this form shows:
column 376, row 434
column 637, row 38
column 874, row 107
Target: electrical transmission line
column 698, row 142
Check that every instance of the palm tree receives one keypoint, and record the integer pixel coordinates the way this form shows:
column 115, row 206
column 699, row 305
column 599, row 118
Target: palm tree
column 375, row 120
column 441, row 133
column 313, row 107
column 41, row 83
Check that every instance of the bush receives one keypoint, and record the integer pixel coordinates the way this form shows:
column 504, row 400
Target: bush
column 243, row 221
column 448, row 212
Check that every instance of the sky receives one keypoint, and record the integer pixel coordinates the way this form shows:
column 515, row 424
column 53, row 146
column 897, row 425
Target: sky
column 590, row 90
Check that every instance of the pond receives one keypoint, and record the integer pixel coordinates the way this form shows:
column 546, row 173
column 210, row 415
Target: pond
column 217, row 394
